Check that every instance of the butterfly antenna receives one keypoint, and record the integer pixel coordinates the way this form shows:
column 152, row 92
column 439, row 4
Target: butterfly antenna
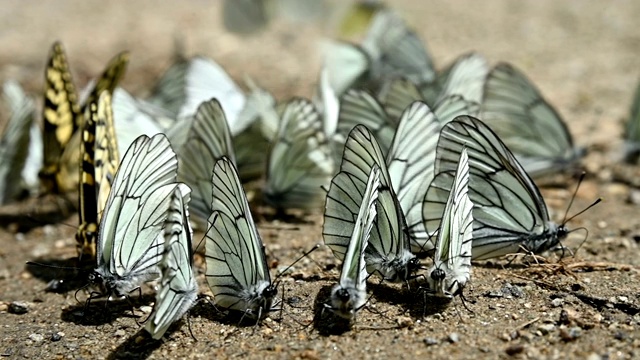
column 33, row 263
column 573, row 197
column 314, row 248
column 598, row 200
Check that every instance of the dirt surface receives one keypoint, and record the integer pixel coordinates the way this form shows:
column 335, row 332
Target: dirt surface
column 583, row 55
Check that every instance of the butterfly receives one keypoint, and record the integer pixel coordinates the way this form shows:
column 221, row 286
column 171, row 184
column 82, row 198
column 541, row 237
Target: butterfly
column 632, row 143
column 526, row 122
column 178, row 289
column 130, row 239
column 99, row 163
column 346, row 65
column 396, row 50
column 509, row 211
column 63, row 116
column 349, row 295
column 451, row 268
column 301, row 159
column 17, row 145
column 199, row 142
column 388, row 252
column 237, row 270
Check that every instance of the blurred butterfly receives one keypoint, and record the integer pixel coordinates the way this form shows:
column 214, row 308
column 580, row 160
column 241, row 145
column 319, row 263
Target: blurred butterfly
column 63, row 117
column 349, row 295
column 99, row 163
column 178, row 289
column 509, row 211
column 199, row 142
column 237, row 270
column 526, row 122
column 346, row 65
column 451, row 268
column 301, row 160
column 388, row 252
column 130, row 239
column 632, row 133
column 18, row 144
column 396, row 50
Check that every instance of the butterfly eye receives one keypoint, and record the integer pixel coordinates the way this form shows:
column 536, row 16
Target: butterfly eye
column 437, row 274
column 343, row 295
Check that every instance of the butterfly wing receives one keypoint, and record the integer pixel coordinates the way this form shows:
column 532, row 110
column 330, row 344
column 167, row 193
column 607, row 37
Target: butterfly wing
column 410, row 162
column 178, row 288
column 300, row 162
column 396, row 95
column 347, row 65
column 207, row 140
column 15, row 141
column 526, row 122
column 466, row 78
column 237, row 271
column 454, row 241
column 632, row 132
column 509, row 209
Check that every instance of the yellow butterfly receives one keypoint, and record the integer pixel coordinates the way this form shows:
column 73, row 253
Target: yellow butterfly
column 63, row 117
column 100, row 160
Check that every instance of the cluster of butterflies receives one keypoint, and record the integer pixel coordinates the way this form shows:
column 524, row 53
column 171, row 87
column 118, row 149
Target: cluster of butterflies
column 393, row 150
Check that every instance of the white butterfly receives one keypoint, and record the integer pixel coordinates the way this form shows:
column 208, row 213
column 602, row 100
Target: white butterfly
column 632, row 141
column 465, row 77
column 349, row 295
column 527, row 124
column 388, row 252
column 130, row 237
column 301, row 160
column 237, row 271
column 189, row 83
column 509, row 211
column 346, row 65
column 18, row 145
column 178, row 288
column 396, row 50
column 451, row 268
column 199, row 142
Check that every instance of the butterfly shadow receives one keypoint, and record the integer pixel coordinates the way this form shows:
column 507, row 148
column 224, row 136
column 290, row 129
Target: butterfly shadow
column 415, row 300
column 138, row 346
column 324, row 320
column 204, row 308
column 104, row 311
column 61, row 276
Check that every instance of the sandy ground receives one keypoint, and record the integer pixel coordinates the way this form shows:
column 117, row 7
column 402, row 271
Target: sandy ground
column 582, row 54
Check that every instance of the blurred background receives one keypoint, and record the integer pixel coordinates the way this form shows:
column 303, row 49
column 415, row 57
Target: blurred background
column 583, row 55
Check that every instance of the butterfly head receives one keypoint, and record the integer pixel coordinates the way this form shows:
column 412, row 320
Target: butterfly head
column 437, row 274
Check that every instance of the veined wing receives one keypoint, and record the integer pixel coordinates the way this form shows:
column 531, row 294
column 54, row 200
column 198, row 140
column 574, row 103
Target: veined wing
column 301, row 161
column 396, row 95
column 237, row 271
column 632, row 133
column 178, row 288
column 509, row 209
column 346, row 64
column 411, row 160
column 207, row 139
column 396, row 50
column 110, row 77
column 526, row 122
column 466, row 78
column 61, row 115
column 360, row 107
column 452, row 258
column 388, row 252
column 15, row 141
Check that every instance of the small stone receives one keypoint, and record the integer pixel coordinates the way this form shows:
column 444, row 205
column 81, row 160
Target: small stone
column 570, row 334
column 557, row 302
column 430, row 341
column 146, row 309
column 36, row 337
column 594, row 356
column 120, row 333
column 494, row 294
column 57, row 336
column 546, row 328
column 620, row 335
column 18, row 308
column 514, row 349
column 4, row 306
column 623, row 299
column 404, row 322
column 453, row 338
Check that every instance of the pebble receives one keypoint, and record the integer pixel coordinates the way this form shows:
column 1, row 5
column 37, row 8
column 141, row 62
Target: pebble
column 570, row 334
column 430, row 341
column 514, row 349
column 120, row 333
column 453, row 338
column 557, row 302
column 57, row 336
column 512, row 290
column 18, row 307
column 546, row 328
column 146, row 309
column 36, row 337
column 404, row 322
